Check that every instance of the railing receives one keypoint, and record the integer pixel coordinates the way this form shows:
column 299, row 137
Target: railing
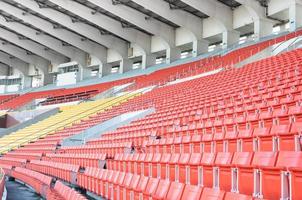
column 96, row 109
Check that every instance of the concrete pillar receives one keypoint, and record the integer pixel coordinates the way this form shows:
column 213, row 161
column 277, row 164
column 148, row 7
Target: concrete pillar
column 230, row 38
column 200, row 47
column 125, row 65
column 26, row 82
column 85, row 72
column 148, row 60
column 282, row 27
column 47, row 78
column 172, row 54
column 295, row 16
column 262, row 28
column 104, row 70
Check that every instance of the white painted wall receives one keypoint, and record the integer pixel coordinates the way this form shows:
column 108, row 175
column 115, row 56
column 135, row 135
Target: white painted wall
column 275, row 6
column 211, row 27
column 3, row 70
column 184, row 36
column 157, row 44
column 241, row 17
column 113, row 56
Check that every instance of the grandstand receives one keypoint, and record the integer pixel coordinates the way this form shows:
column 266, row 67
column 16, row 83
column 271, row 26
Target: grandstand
column 151, row 99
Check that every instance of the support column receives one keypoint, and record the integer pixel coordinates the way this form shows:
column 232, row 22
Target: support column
column 26, row 82
column 86, row 73
column 200, row 47
column 262, row 28
column 104, row 69
column 3, row 69
column 172, row 54
column 47, row 78
column 295, row 16
column 148, row 60
column 125, row 65
column 230, row 38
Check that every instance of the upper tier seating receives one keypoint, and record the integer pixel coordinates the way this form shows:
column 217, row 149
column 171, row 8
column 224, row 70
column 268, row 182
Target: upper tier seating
column 159, row 77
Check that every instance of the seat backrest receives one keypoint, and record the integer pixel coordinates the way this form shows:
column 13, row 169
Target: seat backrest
column 280, row 129
column 223, row 158
column 165, row 158
column 235, row 196
column 261, row 131
column 296, row 127
column 174, row 158
column 212, row 194
column 289, row 159
column 134, row 181
column 192, row 192
column 156, row 158
column 127, row 179
column 175, row 191
column 151, row 186
column 184, row 158
column 162, row 189
column 148, row 157
column 195, row 159
column 245, row 133
column 265, row 159
column 142, row 157
column 242, row 158
column 207, row 158
column 142, row 184
column 121, row 178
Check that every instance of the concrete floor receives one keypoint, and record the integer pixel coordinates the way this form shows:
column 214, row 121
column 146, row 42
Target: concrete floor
column 17, row 191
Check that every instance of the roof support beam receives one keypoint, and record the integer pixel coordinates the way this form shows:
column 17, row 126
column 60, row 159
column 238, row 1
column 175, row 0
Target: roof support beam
column 36, row 48
column 37, row 61
column 19, row 65
column 88, row 31
column 52, row 43
column 181, row 18
column 139, row 19
column 14, row 62
column 177, row 16
column 134, row 36
column 220, row 12
column 165, row 33
column 138, row 39
column 262, row 25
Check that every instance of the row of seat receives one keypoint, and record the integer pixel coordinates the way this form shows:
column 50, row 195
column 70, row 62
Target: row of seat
column 274, row 138
column 109, row 149
column 62, row 192
column 83, row 160
column 244, row 172
column 66, row 172
column 44, row 185
column 120, row 185
column 39, row 182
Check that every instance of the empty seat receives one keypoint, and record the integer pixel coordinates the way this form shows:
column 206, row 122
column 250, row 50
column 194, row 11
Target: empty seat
column 212, row 194
column 150, row 188
column 175, row 191
column 162, row 190
column 277, row 176
column 192, row 192
column 235, row 196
